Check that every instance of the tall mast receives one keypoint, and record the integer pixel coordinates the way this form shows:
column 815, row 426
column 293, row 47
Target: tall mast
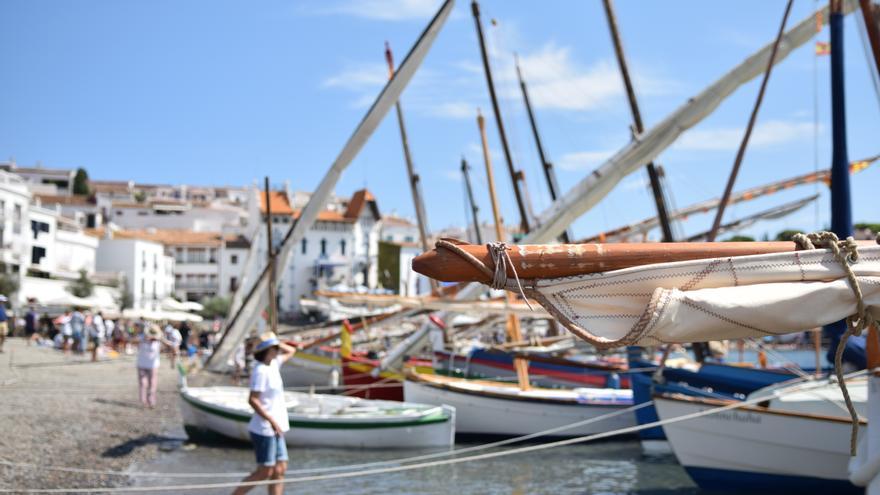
column 273, row 301
column 514, row 332
column 516, row 176
column 638, row 125
column 414, row 180
column 473, row 204
column 549, row 173
column 841, row 212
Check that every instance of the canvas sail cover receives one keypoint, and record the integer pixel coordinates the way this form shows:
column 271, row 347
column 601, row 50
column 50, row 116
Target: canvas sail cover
column 710, row 299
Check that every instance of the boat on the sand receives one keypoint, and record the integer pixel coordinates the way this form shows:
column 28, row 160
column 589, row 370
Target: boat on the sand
column 321, row 420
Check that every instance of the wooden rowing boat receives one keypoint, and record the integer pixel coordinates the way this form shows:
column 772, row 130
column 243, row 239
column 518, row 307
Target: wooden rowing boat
column 322, row 420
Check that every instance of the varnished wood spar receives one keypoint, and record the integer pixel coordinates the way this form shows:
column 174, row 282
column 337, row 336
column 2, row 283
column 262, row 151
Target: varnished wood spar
column 562, row 260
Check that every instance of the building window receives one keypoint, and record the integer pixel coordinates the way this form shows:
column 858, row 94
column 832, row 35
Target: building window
column 155, row 263
column 323, row 247
column 233, row 260
column 37, row 254
column 304, row 246
column 154, row 289
column 143, row 286
column 408, row 238
column 342, row 246
column 143, row 262
column 233, row 284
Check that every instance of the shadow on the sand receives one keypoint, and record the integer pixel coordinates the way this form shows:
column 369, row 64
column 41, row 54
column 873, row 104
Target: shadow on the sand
column 120, row 403
column 128, row 447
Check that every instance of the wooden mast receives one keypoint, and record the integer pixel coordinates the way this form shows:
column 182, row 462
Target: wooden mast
column 414, row 180
column 514, row 333
column 638, row 125
column 549, row 172
column 740, row 154
column 270, row 250
column 873, row 31
column 473, row 204
column 516, row 176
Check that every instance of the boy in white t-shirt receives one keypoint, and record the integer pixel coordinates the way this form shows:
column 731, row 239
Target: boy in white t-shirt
column 269, row 421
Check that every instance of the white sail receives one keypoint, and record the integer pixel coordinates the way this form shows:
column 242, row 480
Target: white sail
column 246, row 318
column 649, row 145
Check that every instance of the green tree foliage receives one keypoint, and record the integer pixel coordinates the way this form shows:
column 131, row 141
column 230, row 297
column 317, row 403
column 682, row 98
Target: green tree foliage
column 786, row 235
column 82, row 286
column 126, row 299
column 215, row 307
column 873, row 227
column 81, row 182
column 740, row 238
column 8, row 284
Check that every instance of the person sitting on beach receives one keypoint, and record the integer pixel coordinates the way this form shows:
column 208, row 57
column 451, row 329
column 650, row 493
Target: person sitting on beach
column 4, row 322
column 148, row 364
column 269, row 421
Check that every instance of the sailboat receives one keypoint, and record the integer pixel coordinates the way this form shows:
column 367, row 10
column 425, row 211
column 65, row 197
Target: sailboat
column 796, row 443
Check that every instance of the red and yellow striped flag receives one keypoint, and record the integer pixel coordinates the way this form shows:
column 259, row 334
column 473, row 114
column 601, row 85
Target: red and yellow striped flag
column 823, row 48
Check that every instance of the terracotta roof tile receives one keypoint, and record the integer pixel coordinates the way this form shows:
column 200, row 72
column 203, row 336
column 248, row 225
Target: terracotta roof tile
column 277, row 201
column 359, row 200
column 51, row 199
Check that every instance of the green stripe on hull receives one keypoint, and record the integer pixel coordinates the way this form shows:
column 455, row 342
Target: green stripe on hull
column 437, row 417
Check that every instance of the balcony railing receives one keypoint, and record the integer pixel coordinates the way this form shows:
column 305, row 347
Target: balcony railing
column 196, row 285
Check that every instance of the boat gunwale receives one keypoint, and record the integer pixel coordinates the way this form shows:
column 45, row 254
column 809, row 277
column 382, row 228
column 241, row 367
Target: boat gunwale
column 417, row 379
column 677, row 397
column 437, row 414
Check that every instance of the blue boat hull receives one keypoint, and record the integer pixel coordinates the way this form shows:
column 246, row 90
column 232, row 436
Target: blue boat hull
column 722, row 480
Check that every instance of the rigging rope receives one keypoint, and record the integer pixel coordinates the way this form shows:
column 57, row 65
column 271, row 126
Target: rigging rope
column 346, row 467
column 846, row 252
column 445, row 462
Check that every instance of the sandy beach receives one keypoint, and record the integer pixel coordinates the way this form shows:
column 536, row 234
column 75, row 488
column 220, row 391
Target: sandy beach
column 65, row 411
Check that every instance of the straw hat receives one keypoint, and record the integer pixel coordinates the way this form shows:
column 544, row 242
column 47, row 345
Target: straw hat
column 153, row 332
column 265, row 341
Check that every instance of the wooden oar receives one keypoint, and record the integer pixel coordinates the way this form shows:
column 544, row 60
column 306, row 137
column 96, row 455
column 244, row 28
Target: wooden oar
column 562, row 260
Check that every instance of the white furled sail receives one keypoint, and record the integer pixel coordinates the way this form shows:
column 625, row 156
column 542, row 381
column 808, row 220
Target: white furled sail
column 710, row 299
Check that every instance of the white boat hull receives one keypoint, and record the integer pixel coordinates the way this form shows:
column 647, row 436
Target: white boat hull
column 489, row 415
column 755, row 449
column 307, row 370
column 436, row 429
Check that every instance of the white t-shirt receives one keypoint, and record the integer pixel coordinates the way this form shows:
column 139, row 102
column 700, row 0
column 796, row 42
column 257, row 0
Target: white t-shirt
column 148, row 354
column 266, row 379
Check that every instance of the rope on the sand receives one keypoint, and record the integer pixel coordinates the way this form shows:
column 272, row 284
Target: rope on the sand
column 410, row 467
column 346, row 467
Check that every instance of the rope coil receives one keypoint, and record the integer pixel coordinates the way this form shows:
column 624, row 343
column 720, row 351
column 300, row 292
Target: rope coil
column 846, row 252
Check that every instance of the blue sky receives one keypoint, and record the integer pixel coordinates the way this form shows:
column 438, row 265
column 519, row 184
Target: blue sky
column 225, row 92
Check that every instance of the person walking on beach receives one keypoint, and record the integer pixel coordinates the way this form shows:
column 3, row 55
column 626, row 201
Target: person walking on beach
column 96, row 333
column 4, row 322
column 269, row 421
column 30, row 325
column 149, row 347
column 174, row 339
column 64, row 321
column 78, row 323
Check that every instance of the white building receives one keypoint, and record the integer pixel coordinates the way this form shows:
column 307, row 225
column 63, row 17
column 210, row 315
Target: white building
column 83, row 209
column 43, row 180
column 15, row 232
column 148, row 272
column 340, row 248
column 173, row 214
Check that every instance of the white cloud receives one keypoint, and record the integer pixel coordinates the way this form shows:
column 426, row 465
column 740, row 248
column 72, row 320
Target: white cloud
column 387, row 10
column 765, row 135
column 454, row 110
column 556, row 81
column 583, row 160
column 359, row 78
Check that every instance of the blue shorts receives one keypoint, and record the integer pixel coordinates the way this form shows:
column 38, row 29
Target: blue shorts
column 269, row 450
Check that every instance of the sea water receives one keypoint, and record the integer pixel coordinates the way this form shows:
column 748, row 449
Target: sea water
column 617, row 467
